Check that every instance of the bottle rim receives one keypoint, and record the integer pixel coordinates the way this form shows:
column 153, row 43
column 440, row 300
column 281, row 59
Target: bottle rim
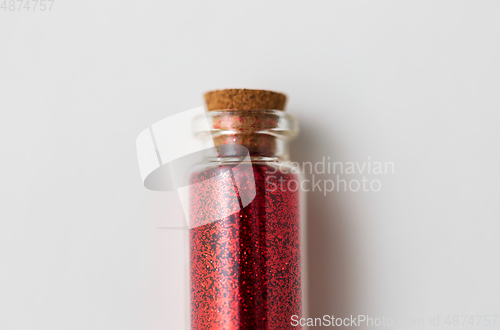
column 283, row 124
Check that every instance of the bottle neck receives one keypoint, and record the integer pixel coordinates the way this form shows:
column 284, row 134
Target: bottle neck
column 256, row 146
column 258, row 133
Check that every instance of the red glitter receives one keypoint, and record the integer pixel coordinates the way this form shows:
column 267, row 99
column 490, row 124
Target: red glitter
column 245, row 268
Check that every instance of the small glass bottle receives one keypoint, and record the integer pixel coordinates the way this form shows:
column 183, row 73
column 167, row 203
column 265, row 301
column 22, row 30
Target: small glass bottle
column 247, row 236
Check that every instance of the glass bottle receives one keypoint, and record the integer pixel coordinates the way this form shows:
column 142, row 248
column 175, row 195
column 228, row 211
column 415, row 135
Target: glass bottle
column 247, row 233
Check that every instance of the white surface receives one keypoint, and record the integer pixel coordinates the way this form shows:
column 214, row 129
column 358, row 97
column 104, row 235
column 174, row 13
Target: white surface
column 414, row 83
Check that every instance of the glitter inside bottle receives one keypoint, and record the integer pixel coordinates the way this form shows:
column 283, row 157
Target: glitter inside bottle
column 246, row 268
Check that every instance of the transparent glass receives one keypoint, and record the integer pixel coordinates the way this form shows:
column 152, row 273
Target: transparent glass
column 247, row 260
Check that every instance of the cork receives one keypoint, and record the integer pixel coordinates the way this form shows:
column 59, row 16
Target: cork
column 244, row 99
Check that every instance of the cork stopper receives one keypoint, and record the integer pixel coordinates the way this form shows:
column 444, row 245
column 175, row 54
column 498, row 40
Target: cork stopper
column 244, row 99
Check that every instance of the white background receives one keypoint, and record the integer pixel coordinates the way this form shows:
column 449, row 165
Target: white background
column 414, row 83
